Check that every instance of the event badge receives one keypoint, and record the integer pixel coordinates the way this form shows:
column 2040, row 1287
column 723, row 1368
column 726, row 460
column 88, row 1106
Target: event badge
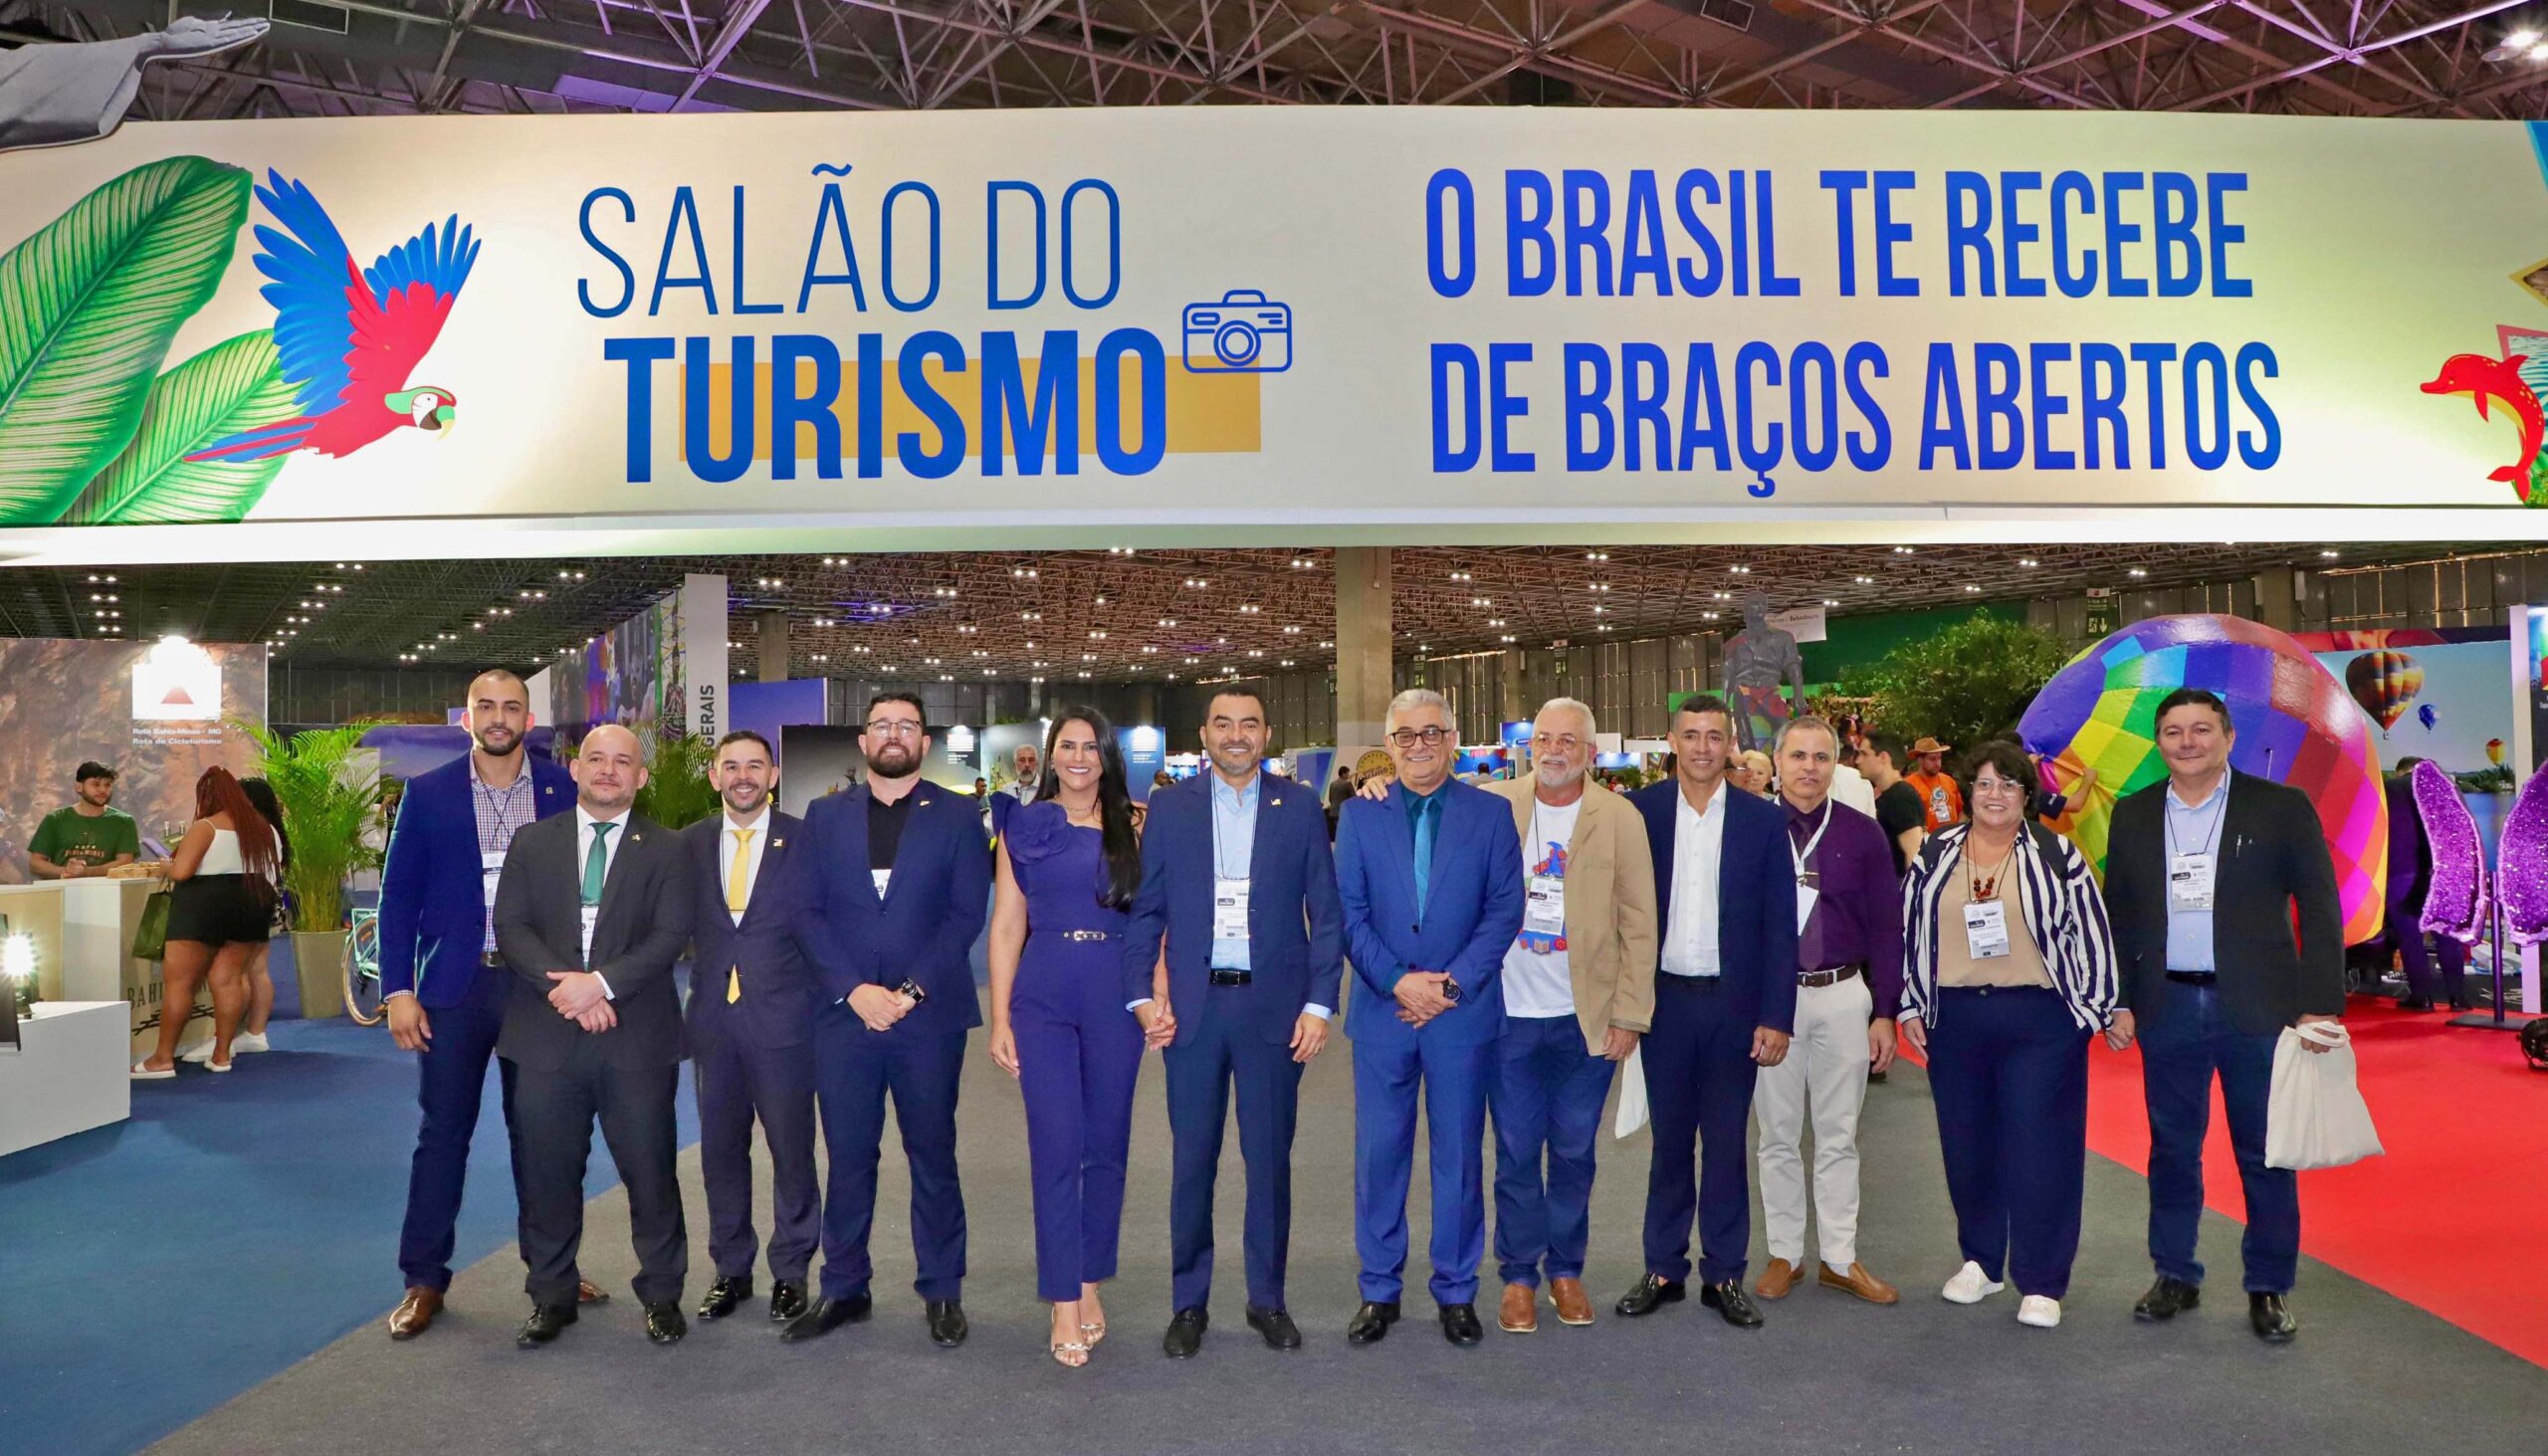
column 1544, row 913
column 1229, row 909
column 1806, row 895
column 491, row 867
column 881, row 879
column 2189, row 881
column 1986, row 929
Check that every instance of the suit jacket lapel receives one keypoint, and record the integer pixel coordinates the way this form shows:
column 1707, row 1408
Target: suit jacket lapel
column 1401, row 828
column 614, row 883
column 770, row 850
column 852, row 849
column 1263, row 833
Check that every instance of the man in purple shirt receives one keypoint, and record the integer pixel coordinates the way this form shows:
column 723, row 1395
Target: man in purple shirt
column 1848, row 907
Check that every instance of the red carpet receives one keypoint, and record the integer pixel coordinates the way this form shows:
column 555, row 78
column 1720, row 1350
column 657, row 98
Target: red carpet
column 2443, row 1219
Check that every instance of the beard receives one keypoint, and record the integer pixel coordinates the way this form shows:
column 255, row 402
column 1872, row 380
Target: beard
column 510, row 741
column 893, row 761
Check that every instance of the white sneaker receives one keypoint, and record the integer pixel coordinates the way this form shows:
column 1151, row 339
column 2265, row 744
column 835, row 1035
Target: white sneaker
column 249, row 1041
column 2040, row 1311
column 1971, row 1285
column 199, row 1053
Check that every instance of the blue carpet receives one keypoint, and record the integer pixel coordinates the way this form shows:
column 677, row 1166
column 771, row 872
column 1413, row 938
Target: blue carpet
column 236, row 1225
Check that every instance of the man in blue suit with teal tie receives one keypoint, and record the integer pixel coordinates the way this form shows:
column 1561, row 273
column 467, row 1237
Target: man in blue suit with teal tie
column 1431, row 882
column 1237, row 879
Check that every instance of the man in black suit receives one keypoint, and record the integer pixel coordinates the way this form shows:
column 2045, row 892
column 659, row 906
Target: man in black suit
column 751, row 1031
column 2207, row 874
column 591, row 913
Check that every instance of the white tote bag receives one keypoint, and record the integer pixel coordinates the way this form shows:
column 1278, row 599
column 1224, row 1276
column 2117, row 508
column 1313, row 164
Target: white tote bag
column 1631, row 1094
column 2315, row 1117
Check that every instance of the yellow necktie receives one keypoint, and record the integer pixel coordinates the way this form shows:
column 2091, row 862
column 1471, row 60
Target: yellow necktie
column 739, row 887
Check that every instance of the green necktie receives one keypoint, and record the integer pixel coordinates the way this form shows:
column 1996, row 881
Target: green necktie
column 597, row 863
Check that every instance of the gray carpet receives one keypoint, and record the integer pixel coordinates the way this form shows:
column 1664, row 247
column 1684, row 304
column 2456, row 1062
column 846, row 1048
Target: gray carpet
column 2369, row 1374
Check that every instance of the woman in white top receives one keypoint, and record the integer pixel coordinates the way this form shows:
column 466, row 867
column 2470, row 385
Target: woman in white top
column 226, row 871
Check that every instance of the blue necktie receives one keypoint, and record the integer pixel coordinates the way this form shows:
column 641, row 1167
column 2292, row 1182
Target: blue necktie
column 1423, row 810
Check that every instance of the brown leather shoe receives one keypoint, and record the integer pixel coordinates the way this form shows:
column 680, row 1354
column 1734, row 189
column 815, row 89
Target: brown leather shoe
column 1777, row 1279
column 1572, row 1308
column 1860, row 1283
column 1520, row 1313
column 589, row 1292
column 415, row 1313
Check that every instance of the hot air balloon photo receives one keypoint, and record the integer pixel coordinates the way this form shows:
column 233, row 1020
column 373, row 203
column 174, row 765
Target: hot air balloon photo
column 2384, row 683
column 2495, row 752
column 2429, row 717
column 2295, row 726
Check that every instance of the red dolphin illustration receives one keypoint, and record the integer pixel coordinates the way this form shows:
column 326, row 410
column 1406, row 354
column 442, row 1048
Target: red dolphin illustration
column 2483, row 379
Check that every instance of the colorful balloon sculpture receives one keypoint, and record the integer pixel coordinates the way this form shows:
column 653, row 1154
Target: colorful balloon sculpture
column 2384, row 683
column 2456, row 904
column 2295, row 726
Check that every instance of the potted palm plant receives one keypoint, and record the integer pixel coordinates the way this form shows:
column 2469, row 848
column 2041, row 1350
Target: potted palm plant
column 328, row 786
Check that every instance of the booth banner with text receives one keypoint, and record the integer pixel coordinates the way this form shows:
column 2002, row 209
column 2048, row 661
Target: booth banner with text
column 1328, row 314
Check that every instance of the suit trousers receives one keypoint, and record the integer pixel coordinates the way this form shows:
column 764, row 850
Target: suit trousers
column 1215, row 1050
column 2181, row 1049
column 1452, row 1077
column 451, row 1086
column 1079, row 1053
column 1824, row 1073
column 1546, row 1095
column 1699, row 1079
column 2452, row 984
column 555, row 1110
column 2009, row 1069
column 854, row 1069
column 738, row 1083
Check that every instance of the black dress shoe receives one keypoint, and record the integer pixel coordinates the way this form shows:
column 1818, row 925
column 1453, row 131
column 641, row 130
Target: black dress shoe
column 2414, row 1003
column 664, row 1322
column 1371, row 1324
column 2166, row 1300
column 544, row 1325
column 724, row 1295
column 786, row 1300
column 2274, row 1323
column 1185, row 1332
column 1460, row 1326
column 946, row 1326
column 1730, row 1302
column 827, row 1316
column 2461, row 1003
column 1652, row 1293
column 1276, row 1326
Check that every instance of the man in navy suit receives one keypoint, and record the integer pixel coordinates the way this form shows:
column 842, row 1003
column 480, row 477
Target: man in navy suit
column 1431, row 882
column 1724, row 1006
column 441, row 980
column 898, row 879
column 751, row 1031
column 1236, row 875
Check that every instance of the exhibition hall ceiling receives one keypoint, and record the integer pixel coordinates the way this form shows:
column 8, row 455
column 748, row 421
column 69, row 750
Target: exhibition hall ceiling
column 335, row 58
column 1148, row 614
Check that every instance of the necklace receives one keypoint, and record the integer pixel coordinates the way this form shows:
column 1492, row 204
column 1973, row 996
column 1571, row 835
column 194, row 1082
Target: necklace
column 1978, row 886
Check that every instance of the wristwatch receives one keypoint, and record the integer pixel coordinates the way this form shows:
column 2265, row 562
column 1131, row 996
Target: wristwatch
column 912, row 989
column 1450, row 990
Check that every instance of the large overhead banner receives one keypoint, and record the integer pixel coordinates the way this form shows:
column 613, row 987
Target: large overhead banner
column 1128, row 316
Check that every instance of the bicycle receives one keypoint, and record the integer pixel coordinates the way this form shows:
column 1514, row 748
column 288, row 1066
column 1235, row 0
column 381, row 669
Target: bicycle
column 362, row 968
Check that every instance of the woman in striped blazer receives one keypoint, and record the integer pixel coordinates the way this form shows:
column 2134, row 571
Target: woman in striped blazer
column 2008, row 969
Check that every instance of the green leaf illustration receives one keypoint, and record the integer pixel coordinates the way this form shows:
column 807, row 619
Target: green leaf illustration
column 235, row 385
column 88, row 308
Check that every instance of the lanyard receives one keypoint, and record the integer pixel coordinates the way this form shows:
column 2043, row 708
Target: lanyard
column 2219, row 815
column 1801, row 856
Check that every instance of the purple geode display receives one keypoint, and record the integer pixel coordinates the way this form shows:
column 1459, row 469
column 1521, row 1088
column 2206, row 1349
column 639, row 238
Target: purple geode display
column 2456, row 906
column 2521, row 865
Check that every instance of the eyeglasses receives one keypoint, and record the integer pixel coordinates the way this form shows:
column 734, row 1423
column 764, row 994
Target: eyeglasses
column 1432, row 737
column 1997, row 787
column 1552, row 742
column 894, row 727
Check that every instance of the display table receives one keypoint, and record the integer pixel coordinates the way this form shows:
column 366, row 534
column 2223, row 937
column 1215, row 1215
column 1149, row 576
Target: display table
column 71, row 1073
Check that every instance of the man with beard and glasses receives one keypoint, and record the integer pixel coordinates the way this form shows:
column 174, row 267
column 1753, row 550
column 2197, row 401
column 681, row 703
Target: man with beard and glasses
column 898, row 883
column 441, row 978
column 1237, row 879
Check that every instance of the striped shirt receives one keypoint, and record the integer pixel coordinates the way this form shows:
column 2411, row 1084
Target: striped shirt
column 2077, row 944
column 500, row 813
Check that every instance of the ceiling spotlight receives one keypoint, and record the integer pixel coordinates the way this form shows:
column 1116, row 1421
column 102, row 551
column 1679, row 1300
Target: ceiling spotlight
column 1831, row 601
column 1740, row 570
column 1863, row 580
column 1968, row 586
column 2029, row 561
column 2329, row 554
column 1461, row 576
column 1903, row 550
column 1596, row 555
column 2137, row 571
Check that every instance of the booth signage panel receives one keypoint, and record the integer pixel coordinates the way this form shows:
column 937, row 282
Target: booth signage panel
column 1319, row 316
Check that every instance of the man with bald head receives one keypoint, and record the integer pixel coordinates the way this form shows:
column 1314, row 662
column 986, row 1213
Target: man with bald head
column 592, row 912
column 442, row 979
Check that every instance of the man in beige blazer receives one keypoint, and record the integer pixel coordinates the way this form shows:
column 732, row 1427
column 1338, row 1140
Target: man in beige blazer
column 1578, row 990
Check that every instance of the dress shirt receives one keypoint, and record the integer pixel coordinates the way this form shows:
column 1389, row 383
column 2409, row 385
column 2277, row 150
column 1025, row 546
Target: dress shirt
column 1692, row 944
column 584, row 822
column 1851, row 787
column 1858, row 917
column 2192, row 829
column 759, row 827
column 500, row 812
column 1233, row 851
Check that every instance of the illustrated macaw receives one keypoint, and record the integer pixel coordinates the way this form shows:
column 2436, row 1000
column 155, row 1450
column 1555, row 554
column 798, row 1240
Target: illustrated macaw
column 349, row 337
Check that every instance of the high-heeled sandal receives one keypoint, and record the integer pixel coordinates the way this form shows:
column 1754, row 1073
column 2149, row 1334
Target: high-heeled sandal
column 1064, row 1353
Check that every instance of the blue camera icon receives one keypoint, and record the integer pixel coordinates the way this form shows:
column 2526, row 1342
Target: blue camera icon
column 1244, row 334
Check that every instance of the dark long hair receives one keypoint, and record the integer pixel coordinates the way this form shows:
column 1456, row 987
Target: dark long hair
column 262, row 794
column 1114, row 804
column 216, row 792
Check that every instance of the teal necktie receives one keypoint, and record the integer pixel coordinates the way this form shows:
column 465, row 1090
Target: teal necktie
column 1424, row 810
column 597, row 863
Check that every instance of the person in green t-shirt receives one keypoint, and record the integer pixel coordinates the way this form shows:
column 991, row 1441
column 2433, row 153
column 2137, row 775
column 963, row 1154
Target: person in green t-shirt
column 86, row 837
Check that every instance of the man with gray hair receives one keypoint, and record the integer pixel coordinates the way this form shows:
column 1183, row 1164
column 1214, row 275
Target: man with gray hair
column 1578, row 990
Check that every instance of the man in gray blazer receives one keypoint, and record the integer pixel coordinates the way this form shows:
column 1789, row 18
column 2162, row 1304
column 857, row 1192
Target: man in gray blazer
column 592, row 910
